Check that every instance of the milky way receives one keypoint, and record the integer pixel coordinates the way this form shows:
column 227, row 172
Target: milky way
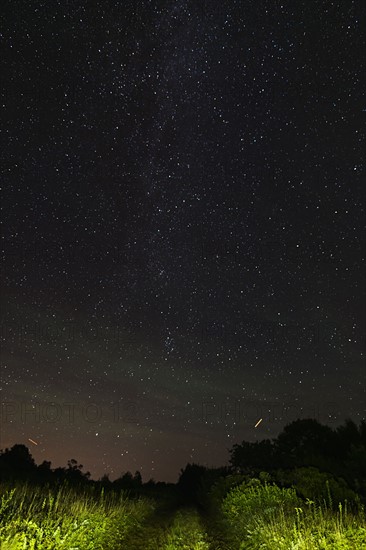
column 183, row 227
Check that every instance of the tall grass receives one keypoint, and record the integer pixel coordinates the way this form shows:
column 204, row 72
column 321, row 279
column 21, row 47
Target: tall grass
column 51, row 519
column 266, row 516
column 187, row 532
column 251, row 515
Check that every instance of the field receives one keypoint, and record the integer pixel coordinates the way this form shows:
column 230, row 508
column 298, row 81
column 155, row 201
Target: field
column 250, row 515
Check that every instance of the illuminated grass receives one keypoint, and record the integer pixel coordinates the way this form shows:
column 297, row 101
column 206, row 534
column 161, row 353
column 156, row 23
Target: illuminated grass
column 45, row 519
column 180, row 529
column 252, row 515
column 266, row 516
column 187, row 532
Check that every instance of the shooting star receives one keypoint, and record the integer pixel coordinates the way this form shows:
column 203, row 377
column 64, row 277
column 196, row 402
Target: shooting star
column 32, row 441
column 259, row 421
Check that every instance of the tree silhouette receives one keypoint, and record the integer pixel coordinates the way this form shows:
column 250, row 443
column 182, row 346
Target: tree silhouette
column 303, row 442
column 17, row 462
column 253, row 457
column 307, row 443
column 304, row 447
column 128, row 481
column 137, row 479
column 348, row 435
column 189, row 481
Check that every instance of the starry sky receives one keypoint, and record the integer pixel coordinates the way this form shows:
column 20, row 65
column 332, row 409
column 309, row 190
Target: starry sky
column 183, row 243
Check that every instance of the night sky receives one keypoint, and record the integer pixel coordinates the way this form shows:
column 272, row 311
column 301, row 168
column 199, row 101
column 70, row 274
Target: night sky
column 183, row 243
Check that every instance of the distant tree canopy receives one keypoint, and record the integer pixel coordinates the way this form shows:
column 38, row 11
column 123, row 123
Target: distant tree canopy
column 18, row 464
column 195, row 479
column 303, row 441
column 306, row 442
column 128, row 481
column 259, row 455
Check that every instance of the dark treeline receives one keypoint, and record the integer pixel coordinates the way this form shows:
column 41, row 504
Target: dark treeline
column 313, row 458
column 306, row 454
column 340, row 451
column 17, row 464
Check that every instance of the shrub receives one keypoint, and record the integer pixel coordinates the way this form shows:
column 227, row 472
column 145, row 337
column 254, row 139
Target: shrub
column 250, row 504
column 260, row 515
column 318, row 486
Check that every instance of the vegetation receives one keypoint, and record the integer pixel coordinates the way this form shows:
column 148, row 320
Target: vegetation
column 311, row 496
column 51, row 519
column 257, row 515
column 303, row 443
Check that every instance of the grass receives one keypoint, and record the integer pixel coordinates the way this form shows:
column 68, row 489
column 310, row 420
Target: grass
column 49, row 519
column 252, row 515
column 167, row 529
column 187, row 532
column 266, row 516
